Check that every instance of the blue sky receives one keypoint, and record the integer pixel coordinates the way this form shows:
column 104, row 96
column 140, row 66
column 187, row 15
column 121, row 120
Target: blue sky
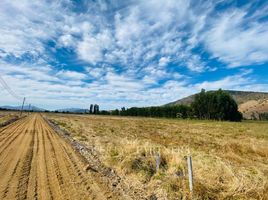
column 116, row 53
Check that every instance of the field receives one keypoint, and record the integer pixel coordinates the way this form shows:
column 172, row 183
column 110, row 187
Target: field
column 5, row 116
column 104, row 157
column 229, row 159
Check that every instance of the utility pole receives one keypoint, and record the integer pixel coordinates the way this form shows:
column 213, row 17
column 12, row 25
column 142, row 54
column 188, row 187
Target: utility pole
column 22, row 106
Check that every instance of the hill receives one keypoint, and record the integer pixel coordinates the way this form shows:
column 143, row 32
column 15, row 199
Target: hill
column 73, row 110
column 250, row 103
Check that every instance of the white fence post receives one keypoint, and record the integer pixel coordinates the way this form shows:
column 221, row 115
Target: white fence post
column 190, row 172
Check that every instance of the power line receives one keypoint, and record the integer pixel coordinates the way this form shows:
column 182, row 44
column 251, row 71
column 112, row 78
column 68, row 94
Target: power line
column 8, row 89
column 12, row 93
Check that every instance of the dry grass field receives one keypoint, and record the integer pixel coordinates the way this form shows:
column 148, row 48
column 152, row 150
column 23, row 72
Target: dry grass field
column 7, row 115
column 230, row 160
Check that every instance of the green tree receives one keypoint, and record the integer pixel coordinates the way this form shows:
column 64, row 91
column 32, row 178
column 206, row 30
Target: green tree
column 218, row 105
column 96, row 109
column 91, row 109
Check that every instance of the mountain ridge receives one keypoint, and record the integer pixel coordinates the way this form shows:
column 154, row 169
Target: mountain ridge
column 239, row 96
column 73, row 110
column 26, row 108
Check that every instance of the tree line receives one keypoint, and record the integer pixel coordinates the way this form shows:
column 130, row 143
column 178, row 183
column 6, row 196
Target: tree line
column 177, row 111
column 211, row 105
column 214, row 105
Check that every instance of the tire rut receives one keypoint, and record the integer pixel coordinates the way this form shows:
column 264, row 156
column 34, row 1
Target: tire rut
column 37, row 163
column 9, row 165
column 8, row 139
column 25, row 171
column 6, row 190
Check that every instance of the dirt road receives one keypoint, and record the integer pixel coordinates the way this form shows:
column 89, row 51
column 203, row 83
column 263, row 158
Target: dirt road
column 36, row 163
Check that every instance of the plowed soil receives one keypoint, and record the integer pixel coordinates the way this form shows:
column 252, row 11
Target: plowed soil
column 36, row 163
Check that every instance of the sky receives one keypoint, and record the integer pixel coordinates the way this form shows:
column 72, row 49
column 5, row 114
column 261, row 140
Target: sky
column 67, row 53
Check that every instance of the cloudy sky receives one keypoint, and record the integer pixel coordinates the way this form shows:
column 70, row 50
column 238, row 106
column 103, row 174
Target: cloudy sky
column 67, row 53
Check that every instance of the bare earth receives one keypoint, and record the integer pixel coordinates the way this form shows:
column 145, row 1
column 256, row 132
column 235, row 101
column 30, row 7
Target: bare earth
column 253, row 107
column 36, row 163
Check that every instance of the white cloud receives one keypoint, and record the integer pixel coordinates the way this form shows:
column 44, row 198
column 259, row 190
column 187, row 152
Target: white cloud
column 92, row 48
column 73, row 75
column 136, row 52
column 135, row 35
column 26, row 24
column 163, row 61
column 228, row 82
column 238, row 39
column 128, row 29
column 66, row 41
column 44, row 89
column 132, row 36
column 42, row 73
column 95, row 72
column 194, row 63
column 123, row 83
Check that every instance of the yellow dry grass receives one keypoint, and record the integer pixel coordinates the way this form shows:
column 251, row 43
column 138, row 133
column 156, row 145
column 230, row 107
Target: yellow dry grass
column 7, row 115
column 230, row 160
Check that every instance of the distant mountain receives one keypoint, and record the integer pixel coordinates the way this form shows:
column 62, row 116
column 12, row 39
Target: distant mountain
column 249, row 103
column 37, row 109
column 244, row 96
column 73, row 110
column 9, row 107
column 33, row 108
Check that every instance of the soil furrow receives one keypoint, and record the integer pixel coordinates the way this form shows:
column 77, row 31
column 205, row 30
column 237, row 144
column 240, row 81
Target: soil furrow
column 6, row 190
column 8, row 162
column 43, row 163
column 4, row 140
column 25, row 171
column 36, row 163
